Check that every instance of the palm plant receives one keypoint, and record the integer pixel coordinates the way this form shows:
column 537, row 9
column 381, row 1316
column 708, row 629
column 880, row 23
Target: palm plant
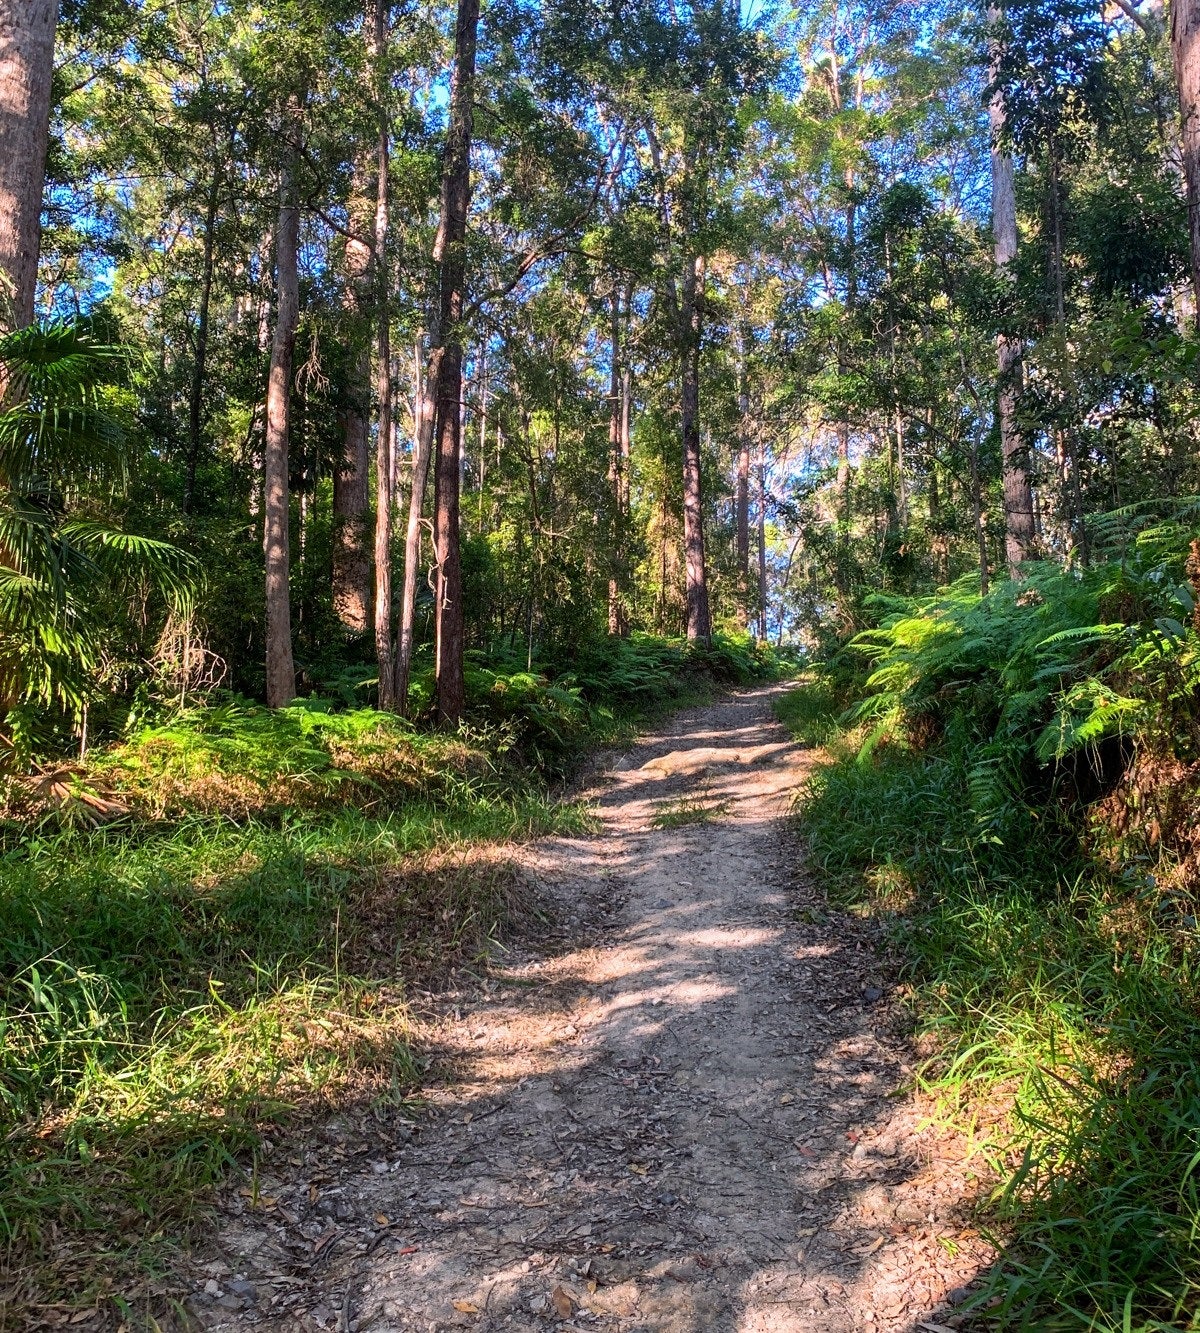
column 62, row 460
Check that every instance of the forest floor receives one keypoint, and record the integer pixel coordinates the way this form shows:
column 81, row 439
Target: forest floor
column 678, row 1106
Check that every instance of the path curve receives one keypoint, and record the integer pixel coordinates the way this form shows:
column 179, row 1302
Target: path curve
column 672, row 1114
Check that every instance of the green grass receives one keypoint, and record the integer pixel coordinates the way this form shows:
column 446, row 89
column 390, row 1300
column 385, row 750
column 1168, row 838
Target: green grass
column 212, row 927
column 1057, row 984
column 174, row 981
column 811, row 713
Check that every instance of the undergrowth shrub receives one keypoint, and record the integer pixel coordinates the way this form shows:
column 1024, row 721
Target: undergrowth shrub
column 1016, row 795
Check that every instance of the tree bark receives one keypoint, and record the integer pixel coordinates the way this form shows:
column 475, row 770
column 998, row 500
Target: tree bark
column 624, row 443
column 1019, row 536
column 1185, row 50
column 199, row 363
column 845, row 518
column 616, row 467
column 742, row 489
column 281, row 671
column 699, row 621
column 450, row 253
column 422, row 448
column 977, row 517
column 351, row 586
column 26, row 67
column 762, row 541
column 385, row 462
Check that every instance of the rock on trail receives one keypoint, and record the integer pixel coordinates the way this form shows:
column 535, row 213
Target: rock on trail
column 673, row 1113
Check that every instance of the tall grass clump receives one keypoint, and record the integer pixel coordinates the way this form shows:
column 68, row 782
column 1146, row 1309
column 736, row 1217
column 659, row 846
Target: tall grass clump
column 1016, row 793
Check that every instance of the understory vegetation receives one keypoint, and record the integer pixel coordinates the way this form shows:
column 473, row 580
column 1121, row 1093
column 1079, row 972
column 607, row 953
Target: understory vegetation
column 217, row 924
column 1012, row 783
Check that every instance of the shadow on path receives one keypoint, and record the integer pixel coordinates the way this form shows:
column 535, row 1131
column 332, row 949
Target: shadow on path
column 682, row 1122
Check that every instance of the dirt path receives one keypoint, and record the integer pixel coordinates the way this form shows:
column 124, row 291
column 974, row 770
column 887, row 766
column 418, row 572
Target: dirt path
column 673, row 1114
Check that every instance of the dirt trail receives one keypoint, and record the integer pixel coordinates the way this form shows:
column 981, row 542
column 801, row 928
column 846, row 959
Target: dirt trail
column 672, row 1114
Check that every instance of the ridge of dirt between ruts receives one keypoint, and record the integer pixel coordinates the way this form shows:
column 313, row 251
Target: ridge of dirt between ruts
column 673, row 1110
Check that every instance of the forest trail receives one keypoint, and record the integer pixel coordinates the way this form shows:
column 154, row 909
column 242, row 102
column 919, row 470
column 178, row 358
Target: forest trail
column 672, row 1113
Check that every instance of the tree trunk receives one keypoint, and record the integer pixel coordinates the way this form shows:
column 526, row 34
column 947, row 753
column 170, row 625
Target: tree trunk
column 938, row 542
column 450, row 254
column 351, row 586
column 762, row 541
column 26, row 67
column 422, row 447
column 385, row 462
column 616, row 467
column 845, row 519
column 699, row 621
column 199, row 363
column 624, row 442
column 483, row 430
column 1185, row 49
column 1019, row 537
column 742, row 489
column 281, row 671
column 977, row 516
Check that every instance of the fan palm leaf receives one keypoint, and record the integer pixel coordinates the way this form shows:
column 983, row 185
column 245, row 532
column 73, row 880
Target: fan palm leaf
column 58, row 444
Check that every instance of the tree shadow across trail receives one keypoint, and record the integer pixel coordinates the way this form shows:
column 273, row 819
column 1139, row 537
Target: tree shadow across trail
column 678, row 1116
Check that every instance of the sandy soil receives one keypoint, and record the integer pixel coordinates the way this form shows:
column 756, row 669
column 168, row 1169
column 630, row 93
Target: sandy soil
column 676, row 1111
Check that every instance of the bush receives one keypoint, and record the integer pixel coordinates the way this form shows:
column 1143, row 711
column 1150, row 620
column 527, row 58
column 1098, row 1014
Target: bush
column 1048, row 920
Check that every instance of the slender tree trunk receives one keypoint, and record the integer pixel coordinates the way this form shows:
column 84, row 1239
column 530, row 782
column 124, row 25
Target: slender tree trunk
column 422, row 448
column 351, row 579
column 450, row 252
column 699, row 621
column 199, row 364
column 624, row 443
column 977, row 515
column 281, row 671
column 483, row 430
column 939, row 543
column 901, row 486
column 1185, row 49
column 1068, row 441
column 845, row 517
column 616, row 483
column 385, row 462
column 1019, row 537
column 26, row 68
column 626, row 435
column 742, row 489
column 762, row 541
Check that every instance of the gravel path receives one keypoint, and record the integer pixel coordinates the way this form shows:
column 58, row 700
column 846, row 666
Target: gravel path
column 674, row 1112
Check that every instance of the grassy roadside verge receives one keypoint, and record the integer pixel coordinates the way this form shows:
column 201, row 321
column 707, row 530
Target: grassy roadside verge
column 215, row 926
column 1060, row 984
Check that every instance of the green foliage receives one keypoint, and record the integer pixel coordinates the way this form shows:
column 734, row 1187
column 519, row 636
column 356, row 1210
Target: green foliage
column 234, row 946
column 688, row 811
column 60, row 435
column 239, row 757
column 1047, row 692
column 811, row 713
column 1059, row 969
